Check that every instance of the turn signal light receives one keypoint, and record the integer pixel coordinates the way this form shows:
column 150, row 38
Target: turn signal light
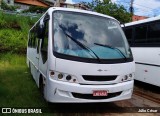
column 52, row 74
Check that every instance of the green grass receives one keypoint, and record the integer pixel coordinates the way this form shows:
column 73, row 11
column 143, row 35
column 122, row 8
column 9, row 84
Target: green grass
column 17, row 88
column 12, row 40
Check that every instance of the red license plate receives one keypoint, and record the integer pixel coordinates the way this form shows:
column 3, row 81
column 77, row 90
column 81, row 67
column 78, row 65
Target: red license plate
column 100, row 93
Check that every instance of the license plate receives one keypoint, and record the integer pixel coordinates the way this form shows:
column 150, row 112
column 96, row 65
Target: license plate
column 100, row 93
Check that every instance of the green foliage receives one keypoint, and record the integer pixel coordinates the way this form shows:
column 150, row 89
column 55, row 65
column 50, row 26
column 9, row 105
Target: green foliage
column 111, row 9
column 4, row 6
column 8, row 21
column 14, row 32
column 16, row 21
column 13, row 40
column 36, row 9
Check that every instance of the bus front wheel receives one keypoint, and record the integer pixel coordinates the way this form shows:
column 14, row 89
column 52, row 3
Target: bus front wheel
column 41, row 86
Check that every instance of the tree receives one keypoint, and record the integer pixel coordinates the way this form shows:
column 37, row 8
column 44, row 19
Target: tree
column 4, row 6
column 111, row 9
column 36, row 9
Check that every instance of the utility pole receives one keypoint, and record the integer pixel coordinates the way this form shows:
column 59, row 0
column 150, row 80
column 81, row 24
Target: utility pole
column 131, row 7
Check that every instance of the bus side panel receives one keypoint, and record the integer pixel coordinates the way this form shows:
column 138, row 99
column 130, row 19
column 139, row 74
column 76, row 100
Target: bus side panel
column 148, row 74
column 33, row 54
column 147, row 64
column 32, row 62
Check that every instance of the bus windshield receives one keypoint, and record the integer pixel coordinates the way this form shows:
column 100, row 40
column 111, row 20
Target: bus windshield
column 89, row 36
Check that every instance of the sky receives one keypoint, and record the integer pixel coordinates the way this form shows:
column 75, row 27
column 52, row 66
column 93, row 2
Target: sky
column 149, row 8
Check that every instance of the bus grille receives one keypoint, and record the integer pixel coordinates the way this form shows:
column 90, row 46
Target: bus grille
column 90, row 96
column 98, row 78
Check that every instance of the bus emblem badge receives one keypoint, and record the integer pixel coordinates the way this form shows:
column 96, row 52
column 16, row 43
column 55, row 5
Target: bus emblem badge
column 99, row 70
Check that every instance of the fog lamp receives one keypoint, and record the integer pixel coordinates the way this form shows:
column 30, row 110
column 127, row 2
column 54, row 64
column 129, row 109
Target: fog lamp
column 74, row 80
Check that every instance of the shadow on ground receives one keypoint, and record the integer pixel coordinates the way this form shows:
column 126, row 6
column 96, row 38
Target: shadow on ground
column 85, row 108
column 147, row 87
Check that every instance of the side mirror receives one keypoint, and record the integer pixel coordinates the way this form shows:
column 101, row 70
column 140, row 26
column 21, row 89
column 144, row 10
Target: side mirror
column 122, row 25
column 46, row 18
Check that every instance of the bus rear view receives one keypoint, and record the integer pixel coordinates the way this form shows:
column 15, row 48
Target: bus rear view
column 88, row 58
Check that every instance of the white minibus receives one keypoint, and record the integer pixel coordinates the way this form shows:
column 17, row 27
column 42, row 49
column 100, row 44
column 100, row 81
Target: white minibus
column 80, row 56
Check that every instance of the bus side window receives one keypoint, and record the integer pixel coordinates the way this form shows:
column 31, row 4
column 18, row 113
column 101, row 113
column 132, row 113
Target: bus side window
column 33, row 38
column 154, row 33
column 29, row 40
column 44, row 45
column 129, row 33
column 37, row 40
column 140, row 34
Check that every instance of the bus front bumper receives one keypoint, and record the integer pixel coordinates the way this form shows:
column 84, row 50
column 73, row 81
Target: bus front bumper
column 64, row 92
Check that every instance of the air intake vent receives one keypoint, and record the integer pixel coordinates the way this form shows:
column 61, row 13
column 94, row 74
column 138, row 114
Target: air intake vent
column 98, row 78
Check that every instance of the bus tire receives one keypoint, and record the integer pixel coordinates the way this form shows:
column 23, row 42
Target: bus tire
column 41, row 86
column 30, row 67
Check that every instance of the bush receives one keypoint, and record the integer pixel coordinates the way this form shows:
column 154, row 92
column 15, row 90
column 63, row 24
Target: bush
column 14, row 32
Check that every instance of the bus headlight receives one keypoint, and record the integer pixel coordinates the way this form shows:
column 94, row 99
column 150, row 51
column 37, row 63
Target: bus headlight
column 67, row 78
column 127, row 77
column 63, row 77
column 60, row 76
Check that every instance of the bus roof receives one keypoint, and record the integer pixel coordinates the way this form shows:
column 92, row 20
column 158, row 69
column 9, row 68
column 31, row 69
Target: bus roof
column 143, row 21
column 79, row 10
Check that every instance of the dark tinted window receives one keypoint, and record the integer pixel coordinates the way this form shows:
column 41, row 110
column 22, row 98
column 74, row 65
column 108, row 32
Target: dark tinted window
column 30, row 40
column 128, row 33
column 154, row 33
column 33, row 40
column 44, row 46
column 140, row 34
column 45, row 40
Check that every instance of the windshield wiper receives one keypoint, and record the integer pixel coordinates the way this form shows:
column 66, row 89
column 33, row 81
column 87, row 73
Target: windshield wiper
column 109, row 46
column 81, row 45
